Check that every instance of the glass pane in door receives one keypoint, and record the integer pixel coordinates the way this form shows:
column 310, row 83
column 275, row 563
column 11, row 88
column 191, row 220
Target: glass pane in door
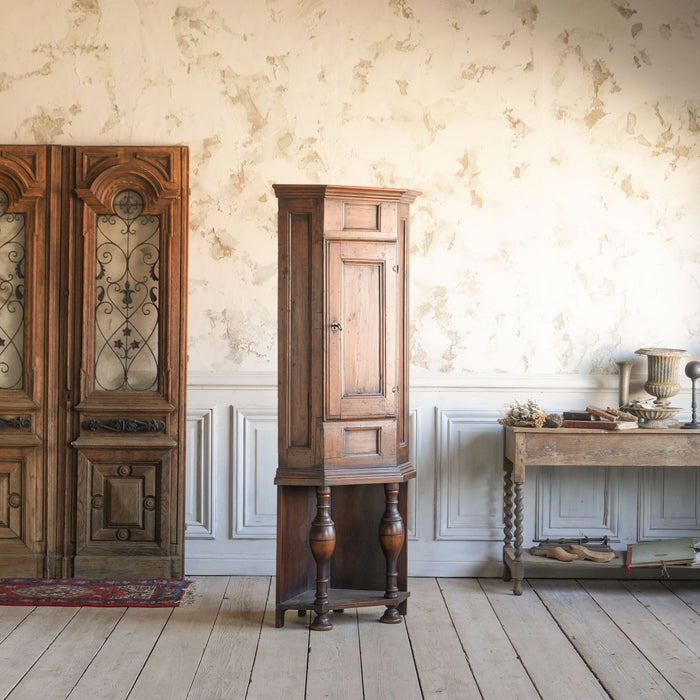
column 12, row 253
column 127, row 297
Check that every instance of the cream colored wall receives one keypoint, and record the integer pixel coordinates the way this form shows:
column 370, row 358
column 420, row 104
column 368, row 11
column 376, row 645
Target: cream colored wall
column 557, row 144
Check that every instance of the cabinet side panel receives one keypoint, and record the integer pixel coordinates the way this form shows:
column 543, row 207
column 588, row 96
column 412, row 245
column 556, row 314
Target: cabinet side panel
column 299, row 329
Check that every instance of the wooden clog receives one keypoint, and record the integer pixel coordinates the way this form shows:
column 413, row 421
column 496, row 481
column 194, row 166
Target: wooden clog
column 561, row 554
column 585, row 553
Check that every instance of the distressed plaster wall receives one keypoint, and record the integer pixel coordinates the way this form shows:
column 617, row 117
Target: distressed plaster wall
column 557, row 144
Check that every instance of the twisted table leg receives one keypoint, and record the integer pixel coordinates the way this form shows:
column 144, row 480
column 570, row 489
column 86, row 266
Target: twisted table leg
column 518, row 582
column 507, row 514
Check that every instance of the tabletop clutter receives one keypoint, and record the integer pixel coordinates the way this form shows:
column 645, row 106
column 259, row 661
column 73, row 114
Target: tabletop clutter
column 651, row 413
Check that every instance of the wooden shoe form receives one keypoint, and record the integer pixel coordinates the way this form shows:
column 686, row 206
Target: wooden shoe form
column 561, row 554
column 585, row 553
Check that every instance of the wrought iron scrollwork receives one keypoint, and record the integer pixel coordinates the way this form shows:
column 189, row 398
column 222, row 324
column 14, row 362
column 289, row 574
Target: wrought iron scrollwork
column 125, row 425
column 18, row 422
column 127, row 297
column 12, row 254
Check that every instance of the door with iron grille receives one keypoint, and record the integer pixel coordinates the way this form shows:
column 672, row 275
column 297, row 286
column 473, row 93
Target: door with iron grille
column 93, row 464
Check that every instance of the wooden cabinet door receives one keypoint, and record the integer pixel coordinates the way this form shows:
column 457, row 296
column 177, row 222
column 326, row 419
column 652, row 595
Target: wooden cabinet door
column 127, row 326
column 361, row 329
column 28, row 326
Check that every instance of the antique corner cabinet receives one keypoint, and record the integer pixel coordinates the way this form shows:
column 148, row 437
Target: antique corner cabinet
column 343, row 408
column 93, row 244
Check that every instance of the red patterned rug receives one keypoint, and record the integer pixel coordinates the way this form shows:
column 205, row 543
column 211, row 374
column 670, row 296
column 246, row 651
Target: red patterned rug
column 152, row 593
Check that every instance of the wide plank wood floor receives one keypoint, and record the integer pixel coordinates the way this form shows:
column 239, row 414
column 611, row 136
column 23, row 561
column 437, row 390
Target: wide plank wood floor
column 462, row 638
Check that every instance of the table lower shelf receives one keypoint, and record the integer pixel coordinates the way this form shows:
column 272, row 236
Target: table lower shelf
column 533, row 566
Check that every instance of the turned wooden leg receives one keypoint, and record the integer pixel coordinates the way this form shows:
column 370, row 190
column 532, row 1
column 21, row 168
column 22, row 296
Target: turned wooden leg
column 507, row 514
column 391, row 539
column 322, row 543
column 518, row 580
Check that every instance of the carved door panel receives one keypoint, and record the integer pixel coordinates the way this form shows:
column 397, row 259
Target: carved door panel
column 28, row 323
column 361, row 329
column 127, row 325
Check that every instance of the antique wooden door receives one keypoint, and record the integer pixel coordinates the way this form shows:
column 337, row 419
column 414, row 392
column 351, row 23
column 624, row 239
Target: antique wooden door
column 105, row 324
column 28, row 328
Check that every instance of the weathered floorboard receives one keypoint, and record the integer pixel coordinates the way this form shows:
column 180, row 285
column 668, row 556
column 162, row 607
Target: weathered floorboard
column 679, row 666
column 118, row 663
column 29, row 640
column 622, row 670
column 388, row 670
column 53, row 676
column 335, row 669
column 228, row 660
column 172, row 665
column 542, row 647
column 280, row 663
column 442, row 665
column 497, row 669
column 669, row 610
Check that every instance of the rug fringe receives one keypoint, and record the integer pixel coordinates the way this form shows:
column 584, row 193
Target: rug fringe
column 191, row 594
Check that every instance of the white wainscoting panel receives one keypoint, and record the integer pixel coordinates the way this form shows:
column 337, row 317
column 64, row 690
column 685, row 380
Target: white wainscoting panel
column 199, row 478
column 577, row 501
column 670, row 502
column 469, row 476
column 255, row 440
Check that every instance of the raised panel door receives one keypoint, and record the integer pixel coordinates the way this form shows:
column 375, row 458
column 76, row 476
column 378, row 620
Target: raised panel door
column 361, row 329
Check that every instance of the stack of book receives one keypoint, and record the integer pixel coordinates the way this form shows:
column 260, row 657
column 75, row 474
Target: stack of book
column 596, row 418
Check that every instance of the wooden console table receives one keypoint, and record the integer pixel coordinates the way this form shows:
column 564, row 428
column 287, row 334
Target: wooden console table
column 558, row 447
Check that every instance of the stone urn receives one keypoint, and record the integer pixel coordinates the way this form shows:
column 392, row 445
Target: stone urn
column 664, row 365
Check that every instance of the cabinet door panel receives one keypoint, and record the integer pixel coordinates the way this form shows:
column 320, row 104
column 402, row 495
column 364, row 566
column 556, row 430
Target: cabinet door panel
column 361, row 328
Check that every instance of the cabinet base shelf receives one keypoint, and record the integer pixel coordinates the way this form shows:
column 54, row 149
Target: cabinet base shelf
column 339, row 599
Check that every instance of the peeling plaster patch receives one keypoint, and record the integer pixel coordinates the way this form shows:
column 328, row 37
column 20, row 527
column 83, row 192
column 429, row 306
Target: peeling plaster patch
column 233, row 325
column 665, row 31
column 174, row 118
column 624, row 9
column 433, row 129
column 527, row 11
column 278, row 63
column 218, row 249
column 631, row 123
column 359, row 79
column 46, row 127
column 284, row 142
column 519, row 127
column 7, row 80
column 241, row 95
column 506, row 39
column 636, row 28
column 642, row 57
column 475, row 72
column 403, row 85
column 476, row 200
column 693, row 126
column 193, row 28
column 401, row 7
column 626, row 186
column 594, row 116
